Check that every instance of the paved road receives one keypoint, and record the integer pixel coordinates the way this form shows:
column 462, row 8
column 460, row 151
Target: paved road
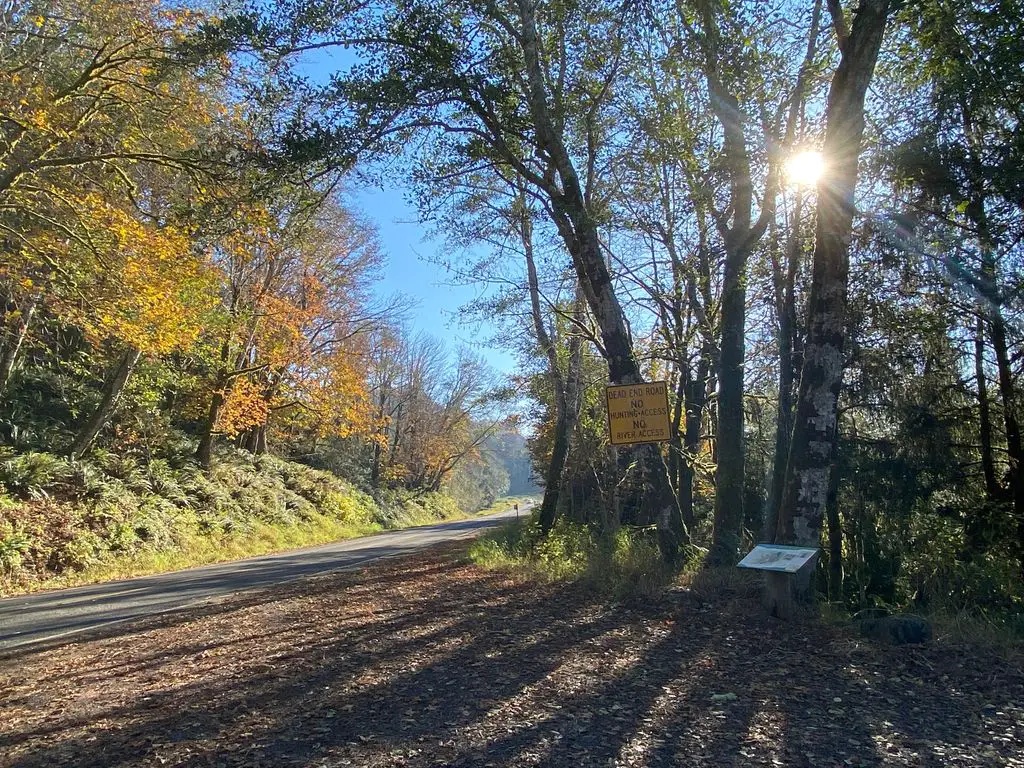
column 49, row 615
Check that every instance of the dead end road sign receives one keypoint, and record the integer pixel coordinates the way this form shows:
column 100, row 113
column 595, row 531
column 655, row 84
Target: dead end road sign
column 638, row 413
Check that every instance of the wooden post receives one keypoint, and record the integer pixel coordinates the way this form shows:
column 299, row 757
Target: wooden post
column 778, row 594
column 782, row 564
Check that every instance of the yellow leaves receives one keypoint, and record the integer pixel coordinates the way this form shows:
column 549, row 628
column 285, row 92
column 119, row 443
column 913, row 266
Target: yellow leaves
column 245, row 406
column 40, row 119
column 152, row 292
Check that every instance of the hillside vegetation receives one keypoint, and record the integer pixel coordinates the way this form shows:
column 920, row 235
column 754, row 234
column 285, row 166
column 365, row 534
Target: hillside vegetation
column 196, row 361
column 67, row 521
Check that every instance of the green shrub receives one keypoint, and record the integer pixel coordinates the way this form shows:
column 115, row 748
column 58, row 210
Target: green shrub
column 297, row 506
column 86, row 482
column 65, row 520
column 506, row 547
column 400, row 508
column 80, row 551
column 625, row 564
column 124, row 468
column 14, row 543
column 630, row 565
column 167, row 482
column 352, row 507
column 158, row 521
column 32, row 475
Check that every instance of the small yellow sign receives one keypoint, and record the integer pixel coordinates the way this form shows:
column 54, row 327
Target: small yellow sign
column 638, row 413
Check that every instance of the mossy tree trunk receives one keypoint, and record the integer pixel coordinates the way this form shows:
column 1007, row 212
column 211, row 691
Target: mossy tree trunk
column 113, row 387
column 812, row 451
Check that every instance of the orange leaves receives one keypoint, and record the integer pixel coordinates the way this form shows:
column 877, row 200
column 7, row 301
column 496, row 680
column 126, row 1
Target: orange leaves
column 245, row 406
column 337, row 392
column 293, row 297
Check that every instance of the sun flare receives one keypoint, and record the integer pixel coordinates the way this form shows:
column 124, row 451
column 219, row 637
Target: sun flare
column 805, row 168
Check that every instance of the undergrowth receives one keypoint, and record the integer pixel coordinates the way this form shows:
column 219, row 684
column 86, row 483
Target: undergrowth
column 65, row 522
column 625, row 565
column 628, row 565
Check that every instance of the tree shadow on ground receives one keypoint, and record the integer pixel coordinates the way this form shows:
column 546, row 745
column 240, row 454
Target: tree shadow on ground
column 428, row 662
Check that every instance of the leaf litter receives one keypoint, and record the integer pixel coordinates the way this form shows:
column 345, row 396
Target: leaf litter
column 429, row 661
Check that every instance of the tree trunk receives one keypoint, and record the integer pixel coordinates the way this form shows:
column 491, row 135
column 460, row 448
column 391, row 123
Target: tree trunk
column 988, row 463
column 835, row 538
column 805, row 494
column 566, row 417
column 730, row 472
column 204, row 453
column 112, row 389
column 378, row 444
column 977, row 527
column 254, row 440
column 1007, row 390
column 786, row 309
column 676, row 460
column 261, row 439
column 696, row 400
column 579, row 231
column 1004, row 368
column 563, row 427
column 14, row 338
column 739, row 238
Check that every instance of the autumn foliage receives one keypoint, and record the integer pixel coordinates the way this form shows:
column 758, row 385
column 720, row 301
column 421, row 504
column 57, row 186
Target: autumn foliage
column 173, row 283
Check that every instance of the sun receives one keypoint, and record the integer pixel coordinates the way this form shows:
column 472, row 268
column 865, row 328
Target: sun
column 805, row 168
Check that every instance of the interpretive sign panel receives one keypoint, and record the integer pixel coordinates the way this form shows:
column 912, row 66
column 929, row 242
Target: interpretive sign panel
column 638, row 413
column 778, row 557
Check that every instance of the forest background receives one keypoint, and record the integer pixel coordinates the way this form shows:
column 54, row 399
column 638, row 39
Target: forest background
column 192, row 349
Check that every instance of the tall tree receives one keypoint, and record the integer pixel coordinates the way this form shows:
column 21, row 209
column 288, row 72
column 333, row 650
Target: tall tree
column 785, row 271
column 812, row 450
column 492, row 80
column 962, row 162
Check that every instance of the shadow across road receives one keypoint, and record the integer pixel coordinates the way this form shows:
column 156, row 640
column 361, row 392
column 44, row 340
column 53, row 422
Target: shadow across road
column 429, row 662
column 49, row 615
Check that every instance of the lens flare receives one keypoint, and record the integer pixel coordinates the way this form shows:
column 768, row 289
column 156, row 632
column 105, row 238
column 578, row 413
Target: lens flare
column 805, row 168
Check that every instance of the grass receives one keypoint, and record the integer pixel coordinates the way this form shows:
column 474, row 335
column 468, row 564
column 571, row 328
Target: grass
column 68, row 523
column 506, row 502
column 264, row 539
column 625, row 565
column 1001, row 633
column 198, row 549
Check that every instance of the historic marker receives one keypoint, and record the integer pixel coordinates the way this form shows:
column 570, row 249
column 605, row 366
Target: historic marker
column 778, row 557
column 638, row 413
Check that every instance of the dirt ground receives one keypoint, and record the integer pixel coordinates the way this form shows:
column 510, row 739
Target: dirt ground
column 428, row 661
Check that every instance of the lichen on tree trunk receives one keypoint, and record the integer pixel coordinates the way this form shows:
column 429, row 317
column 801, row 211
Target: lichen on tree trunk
column 812, row 450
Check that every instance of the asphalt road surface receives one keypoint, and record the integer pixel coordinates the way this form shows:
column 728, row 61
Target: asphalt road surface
column 49, row 615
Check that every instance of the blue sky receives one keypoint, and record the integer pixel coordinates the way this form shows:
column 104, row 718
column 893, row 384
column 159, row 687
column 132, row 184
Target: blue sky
column 433, row 299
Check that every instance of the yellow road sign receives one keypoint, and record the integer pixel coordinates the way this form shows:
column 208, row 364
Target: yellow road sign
column 638, row 413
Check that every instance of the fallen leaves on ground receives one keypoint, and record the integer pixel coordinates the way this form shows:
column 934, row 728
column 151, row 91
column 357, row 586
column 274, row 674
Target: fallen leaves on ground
column 428, row 661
